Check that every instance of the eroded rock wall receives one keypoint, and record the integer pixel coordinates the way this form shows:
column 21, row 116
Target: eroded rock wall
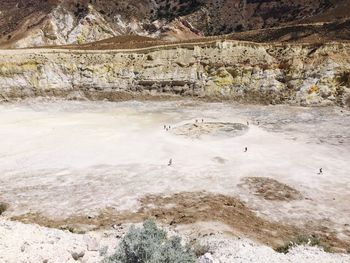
column 237, row 71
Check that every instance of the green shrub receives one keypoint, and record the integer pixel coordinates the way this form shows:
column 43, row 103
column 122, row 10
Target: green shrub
column 150, row 245
column 200, row 249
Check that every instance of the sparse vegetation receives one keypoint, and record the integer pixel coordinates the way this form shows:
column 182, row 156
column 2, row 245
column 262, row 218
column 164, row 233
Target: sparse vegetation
column 344, row 78
column 3, row 208
column 301, row 240
column 200, row 249
column 150, row 244
column 284, row 65
column 103, row 251
column 347, row 101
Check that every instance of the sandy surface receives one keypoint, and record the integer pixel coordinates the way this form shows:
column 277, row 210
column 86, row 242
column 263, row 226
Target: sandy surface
column 64, row 159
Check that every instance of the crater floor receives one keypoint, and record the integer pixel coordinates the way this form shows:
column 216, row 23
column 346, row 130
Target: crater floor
column 64, row 159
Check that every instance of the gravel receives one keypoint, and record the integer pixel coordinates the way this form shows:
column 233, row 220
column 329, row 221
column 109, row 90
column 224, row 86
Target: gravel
column 34, row 244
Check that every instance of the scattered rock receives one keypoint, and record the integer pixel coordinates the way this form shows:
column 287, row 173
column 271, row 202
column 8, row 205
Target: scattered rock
column 77, row 255
column 207, row 258
column 24, row 246
column 92, row 244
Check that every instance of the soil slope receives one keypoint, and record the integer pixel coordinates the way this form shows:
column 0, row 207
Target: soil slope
column 53, row 22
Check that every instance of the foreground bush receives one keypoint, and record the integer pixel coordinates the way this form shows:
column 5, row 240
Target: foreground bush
column 150, row 245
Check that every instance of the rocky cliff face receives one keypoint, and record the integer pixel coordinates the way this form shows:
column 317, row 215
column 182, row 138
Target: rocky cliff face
column 230, row 70
column 36, row 23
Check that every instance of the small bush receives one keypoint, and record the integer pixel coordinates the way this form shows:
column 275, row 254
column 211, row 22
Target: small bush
column 150, row 245
column 300, row 240
column 284, row 65
column 344, row 78
column 103, row 251
column 200, row 249
column 3, row 208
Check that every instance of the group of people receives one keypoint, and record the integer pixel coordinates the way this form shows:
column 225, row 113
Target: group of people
column 258, row 123
column 245, row 149
column 167, row 128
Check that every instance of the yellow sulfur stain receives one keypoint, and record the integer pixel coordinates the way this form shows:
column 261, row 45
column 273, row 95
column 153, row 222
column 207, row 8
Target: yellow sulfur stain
column 313, row 89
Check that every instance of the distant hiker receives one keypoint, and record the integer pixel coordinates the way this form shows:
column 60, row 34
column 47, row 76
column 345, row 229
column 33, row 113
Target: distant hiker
column 202, row 120
column 164, row 127
column 170, row 162
column 247, row 123
column 246, row 149
column 321, row 171
column 169, row 127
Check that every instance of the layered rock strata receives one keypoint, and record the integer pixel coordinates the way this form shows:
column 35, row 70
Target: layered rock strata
column 226, row 70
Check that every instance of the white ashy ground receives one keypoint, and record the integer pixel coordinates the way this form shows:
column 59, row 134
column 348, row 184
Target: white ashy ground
column 67, row 158
column 33, row 244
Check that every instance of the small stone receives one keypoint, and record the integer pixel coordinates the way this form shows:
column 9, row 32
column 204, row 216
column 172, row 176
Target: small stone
column 23, row 247
column 76, row 255
column 207, row 258
column 92, row 244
